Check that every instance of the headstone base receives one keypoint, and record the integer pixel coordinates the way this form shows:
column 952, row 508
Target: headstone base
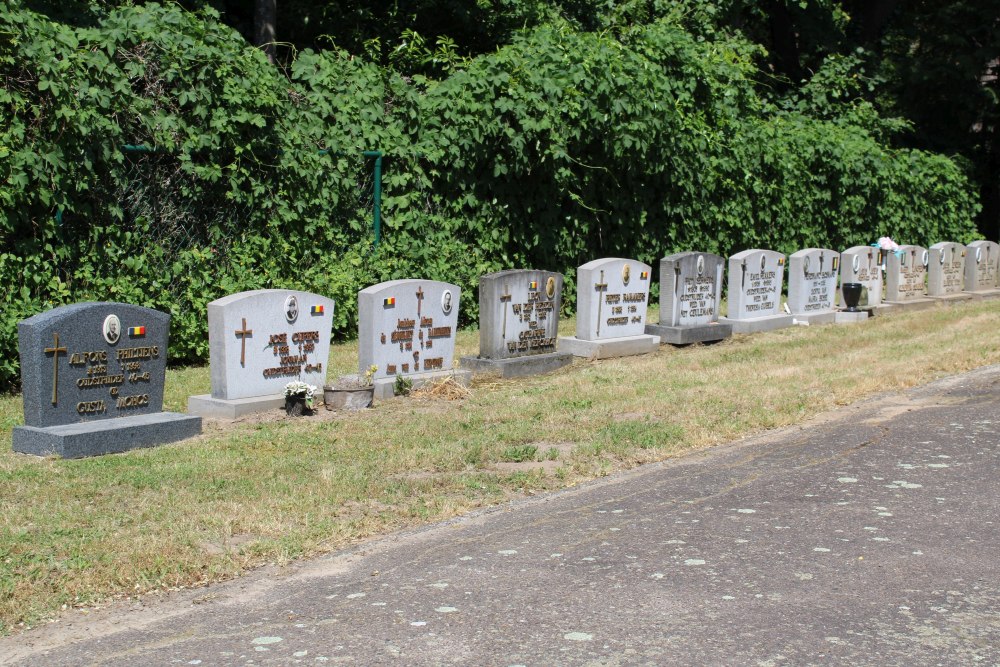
column 844, row 317
column 702, row 333
column 535, row 364
column 906, row 306
column 985, row 294
column 385, row 387
column 106, row 436
column 223, row 408
column 952, row 298
column 759, row 324
column 812, row 319
column 609, row 348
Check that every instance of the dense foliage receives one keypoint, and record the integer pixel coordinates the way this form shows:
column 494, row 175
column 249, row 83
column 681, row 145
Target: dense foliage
column 559, row 147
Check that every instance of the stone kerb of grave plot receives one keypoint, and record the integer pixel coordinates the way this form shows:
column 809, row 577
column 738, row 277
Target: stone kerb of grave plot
column 259, row 341
column 407, row 328
column 92, row 379
column 946, row 272
column 861, row 264
column 754, row 297
column 982, row 268
column 612, row 298
column 690, row 295
column 812, row 285
column 906, row 278
column 519, row 324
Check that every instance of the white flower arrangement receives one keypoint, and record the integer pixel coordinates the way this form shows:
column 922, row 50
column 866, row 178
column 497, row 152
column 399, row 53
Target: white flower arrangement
column 886, row 243
column 300, row 388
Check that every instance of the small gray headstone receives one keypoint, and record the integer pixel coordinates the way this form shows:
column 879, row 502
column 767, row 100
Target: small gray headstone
column 519, row 320
column 945, row 269
column 812, row 284
column 612, row 296
column 407, row 327
column 906, row 274
column 690, row 289
column 95, row 371
column 754, row 295
column 982, row 266
column 860, row 264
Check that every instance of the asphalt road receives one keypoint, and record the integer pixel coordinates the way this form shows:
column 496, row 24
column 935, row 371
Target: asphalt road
column 866, row 537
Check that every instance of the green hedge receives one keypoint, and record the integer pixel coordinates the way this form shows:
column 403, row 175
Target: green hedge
column 557, row 149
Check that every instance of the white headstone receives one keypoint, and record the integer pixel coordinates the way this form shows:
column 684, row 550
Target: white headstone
column 812, row 281
column 982, row 266
column 755, row 279
column 906, row 274
column 612, row 295
column 860, row 264
column 945, row 269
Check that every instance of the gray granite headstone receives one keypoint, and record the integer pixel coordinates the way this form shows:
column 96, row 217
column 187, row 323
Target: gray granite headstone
column 407, row 327
column 860, row 264
column 519, row 321
column 92, row 377
column 612, row 296
column 259, row 341
column 690, row 295
column 982, row 266
column 812, row 284
column 946, row 270
column 754, row 295
column 906, row 274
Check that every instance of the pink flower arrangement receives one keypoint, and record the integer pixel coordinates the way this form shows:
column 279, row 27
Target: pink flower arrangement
column 886, row 243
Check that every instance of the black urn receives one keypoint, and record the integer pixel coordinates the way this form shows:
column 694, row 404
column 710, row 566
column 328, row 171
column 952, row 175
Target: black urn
column 852, row 296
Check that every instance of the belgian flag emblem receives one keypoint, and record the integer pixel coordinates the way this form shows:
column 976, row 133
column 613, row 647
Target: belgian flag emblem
column 389, row 302
column 644, row 275
column 136, row 332
column 317, row 310
column 533, row 285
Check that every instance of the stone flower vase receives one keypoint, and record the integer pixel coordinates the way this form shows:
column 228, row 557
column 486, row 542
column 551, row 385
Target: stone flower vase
column 348, row 398
column 295, row 405
column 852, row 296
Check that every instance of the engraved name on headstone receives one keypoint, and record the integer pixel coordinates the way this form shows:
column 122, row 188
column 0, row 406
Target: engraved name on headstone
column 92, row 379
column 945, row 269
column 812, row 282
column 860, row 264
column 982, row 266
column 690, row 288
column 407, row 327
column 612, row 295
column 906, row 274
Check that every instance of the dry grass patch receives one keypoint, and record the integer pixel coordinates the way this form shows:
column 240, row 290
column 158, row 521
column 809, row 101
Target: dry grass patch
column 275, row 489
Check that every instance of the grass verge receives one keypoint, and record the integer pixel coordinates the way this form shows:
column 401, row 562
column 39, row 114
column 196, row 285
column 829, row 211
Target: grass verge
column 82, row 532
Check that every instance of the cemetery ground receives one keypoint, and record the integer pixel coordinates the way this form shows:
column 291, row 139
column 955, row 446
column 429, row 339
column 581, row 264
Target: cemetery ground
column 80, row 533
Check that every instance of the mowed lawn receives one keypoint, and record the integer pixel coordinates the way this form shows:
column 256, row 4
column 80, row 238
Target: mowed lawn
column 268, row 490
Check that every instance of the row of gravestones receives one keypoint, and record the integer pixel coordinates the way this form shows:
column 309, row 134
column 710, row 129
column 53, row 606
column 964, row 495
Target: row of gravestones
column 93, row 373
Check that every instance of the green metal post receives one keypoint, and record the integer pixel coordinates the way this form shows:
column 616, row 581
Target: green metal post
column 377, row 213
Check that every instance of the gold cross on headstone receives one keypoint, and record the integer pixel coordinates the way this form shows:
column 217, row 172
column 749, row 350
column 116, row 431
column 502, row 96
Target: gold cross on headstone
column 243, row 333
column 54, row 351
column 420, row 299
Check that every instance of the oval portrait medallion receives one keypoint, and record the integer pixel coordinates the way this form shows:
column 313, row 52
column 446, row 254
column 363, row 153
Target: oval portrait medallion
column 112, row 329
column 291, row 308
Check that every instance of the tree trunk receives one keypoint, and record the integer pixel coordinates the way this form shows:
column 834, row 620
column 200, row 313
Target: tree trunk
column 265, row 15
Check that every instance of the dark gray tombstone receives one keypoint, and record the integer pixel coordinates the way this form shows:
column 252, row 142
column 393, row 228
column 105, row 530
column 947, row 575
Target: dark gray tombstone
column 812, row 285
column 519, row 324
column 92, row 377
column 690, row 294
column 982, row 267
column 258, row 341
column 408, row 328
column 754, row 295
column 612, row 296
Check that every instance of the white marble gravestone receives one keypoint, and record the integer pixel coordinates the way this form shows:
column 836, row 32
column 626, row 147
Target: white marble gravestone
column 812, row 285
column 754, row 295
column 258, row 341
column 946, row 271
column 612, row 296
column 92, row 378
column 690, row 295
column 860, row 264
column 906, row 277
column 407, row 328
column 982, row 267
column 519, row 323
